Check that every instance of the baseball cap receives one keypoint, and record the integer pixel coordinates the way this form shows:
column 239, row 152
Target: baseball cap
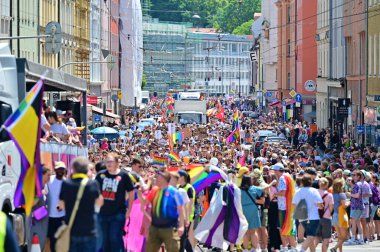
column 59, row 164
column 183, row 173
column 278, row 167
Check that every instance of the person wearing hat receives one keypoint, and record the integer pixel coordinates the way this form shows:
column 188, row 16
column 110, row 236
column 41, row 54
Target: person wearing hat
column 187, row 239
column 56, row 214
column 242, row 171
column 282, row 187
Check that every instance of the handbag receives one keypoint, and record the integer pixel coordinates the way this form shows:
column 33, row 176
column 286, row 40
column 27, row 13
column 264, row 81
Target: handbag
column 40, row 213
column 342, row 217
column 63, row 233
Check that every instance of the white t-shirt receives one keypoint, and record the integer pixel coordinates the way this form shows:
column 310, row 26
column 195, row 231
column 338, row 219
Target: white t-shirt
column 312, row 197
column 59, row 129
column 281, row 200
column 184, row 196
column 53, row 197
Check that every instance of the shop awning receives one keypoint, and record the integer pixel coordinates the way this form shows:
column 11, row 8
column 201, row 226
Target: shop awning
column 274, row 104
column 290, row 101
column 100, row 112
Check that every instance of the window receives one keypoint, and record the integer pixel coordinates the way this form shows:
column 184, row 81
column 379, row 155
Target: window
column 289, row 14
column 288, row 82
column 374, row 55
column 276, row 74
column 6, row 111
column 289, row 46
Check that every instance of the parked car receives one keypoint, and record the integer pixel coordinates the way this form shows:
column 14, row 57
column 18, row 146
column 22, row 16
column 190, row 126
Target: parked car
column 278, row 140
column 250, row 114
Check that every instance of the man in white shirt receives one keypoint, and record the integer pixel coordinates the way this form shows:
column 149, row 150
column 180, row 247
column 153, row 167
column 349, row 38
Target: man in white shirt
column 314, row 202
column 56, row 215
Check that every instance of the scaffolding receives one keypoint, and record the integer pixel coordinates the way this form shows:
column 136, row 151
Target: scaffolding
column 165, row 55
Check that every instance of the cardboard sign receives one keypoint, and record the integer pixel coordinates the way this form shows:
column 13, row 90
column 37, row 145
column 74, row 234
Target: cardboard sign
column 187, row 133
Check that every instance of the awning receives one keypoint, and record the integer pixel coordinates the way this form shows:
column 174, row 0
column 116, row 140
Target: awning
column 290, row 101
column 100, row 112
column 274, row 103
column 55, row 80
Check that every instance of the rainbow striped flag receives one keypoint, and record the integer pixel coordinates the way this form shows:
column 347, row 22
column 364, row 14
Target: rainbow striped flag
column 159, row 161
column 288, row 226
column 174, row 157
column 177, row 136
column 235, row 134
column 28, row 115
column 205, row 179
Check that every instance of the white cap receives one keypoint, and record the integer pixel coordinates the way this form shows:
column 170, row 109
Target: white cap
column 278, row 167
column 214, row 161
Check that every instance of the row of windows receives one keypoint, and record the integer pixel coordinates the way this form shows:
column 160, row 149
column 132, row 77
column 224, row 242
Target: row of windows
column 373, row 2
column 323, row 13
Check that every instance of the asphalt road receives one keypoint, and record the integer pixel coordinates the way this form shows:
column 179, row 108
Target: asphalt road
column 372, row 246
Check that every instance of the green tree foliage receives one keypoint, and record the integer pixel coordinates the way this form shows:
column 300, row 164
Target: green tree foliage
column 225, row 15
column 244, row 28
column 143, row 82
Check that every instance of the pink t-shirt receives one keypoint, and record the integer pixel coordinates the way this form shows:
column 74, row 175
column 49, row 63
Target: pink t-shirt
column 328, row 201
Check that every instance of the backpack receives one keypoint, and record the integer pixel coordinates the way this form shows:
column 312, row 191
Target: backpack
column 300, row 213
column 322, row 211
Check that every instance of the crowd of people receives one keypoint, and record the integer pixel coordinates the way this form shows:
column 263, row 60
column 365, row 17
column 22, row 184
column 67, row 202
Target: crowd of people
column 315, row 187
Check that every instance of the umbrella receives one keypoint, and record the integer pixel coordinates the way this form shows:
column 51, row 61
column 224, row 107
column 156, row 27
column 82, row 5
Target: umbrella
column 104, row 130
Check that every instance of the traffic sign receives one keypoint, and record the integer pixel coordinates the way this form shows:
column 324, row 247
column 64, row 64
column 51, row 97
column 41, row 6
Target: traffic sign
column 253, row 56
column 344, row 102
column 269, row 94
column 119, row 95
column 284, row 103
column 360, row 129
column 291, row 106
column 292, row 93
column 298, row 98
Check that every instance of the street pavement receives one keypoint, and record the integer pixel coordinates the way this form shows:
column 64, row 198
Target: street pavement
column 372, row 246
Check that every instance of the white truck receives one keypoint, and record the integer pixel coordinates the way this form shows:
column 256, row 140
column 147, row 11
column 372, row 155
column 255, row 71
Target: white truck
column 10, row 161
column 190, row 111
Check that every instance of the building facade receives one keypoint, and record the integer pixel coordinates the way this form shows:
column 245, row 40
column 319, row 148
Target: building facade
column 355, row 19
column 5, row 18
column 220, row 63
column 373, row 76
column 323, row 41
column 297, row 54
column 269, row 49
column 95, row 48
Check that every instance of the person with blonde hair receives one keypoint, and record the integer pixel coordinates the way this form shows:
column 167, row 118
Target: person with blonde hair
column 340, row 217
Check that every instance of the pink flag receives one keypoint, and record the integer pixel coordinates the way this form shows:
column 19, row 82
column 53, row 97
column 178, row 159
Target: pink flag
column 242, row 160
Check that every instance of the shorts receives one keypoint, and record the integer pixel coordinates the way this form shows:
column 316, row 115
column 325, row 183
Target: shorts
column 264, row 217
column 373, row 211
column 365, row 213
column 310, row 227
column 324, row 228
column 335, row 220
column 356, row 214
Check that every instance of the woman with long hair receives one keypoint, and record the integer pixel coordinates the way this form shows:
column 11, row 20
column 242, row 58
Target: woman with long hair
column 340, row 217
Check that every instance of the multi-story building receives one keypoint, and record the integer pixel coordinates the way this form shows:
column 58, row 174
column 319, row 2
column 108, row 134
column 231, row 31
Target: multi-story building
column 268, row 47
column 323, row 41
column 95, row 49
column 5, row 18
column 165, row 51
column 25, row 23
column 355, row 19
column 297, row 54
column 220, row 63
column 334, row 88
column 373, row 77
column 48, row 12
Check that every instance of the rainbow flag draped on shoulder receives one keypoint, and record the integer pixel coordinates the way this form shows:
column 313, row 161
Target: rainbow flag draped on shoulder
column 288, row 226
column 28, row 116
column 234, row 137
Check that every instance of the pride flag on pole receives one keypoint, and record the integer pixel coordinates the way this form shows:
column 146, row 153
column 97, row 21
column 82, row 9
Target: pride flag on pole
column 28, row 116
column 235, row 134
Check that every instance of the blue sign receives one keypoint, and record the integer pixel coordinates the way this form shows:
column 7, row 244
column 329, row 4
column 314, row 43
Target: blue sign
column 360, row 129
column 298, row 98
column 269, row 94
column 377, row 98
column 291, row 106
column 97, row 118
column 284, row 103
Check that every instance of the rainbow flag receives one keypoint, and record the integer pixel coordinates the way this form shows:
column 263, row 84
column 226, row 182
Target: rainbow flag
column 28, row 116
column 288, row 226
column 174, row 157
column 235, row 134
column 205, row 179
column 159, row 161
column 177, row 136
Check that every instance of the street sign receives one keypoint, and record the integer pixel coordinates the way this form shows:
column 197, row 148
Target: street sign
column 360, row 129
column 119, row 95
column 377, row 98
column 265, row 91
column 253, row 56
column 269, row 94
column 292, row 93
column 284, row 103
column 344, row 102
column 291, row 106
column 298, row 97
column 114, row 97
column 298, row 104
column 53, row 41
column 342, row 111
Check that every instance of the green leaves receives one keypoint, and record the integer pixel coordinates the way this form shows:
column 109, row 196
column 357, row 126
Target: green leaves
column 225, row 15
column 244, row 28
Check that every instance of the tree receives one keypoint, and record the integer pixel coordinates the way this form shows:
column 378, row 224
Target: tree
column 143, row 82
column 244, row 28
